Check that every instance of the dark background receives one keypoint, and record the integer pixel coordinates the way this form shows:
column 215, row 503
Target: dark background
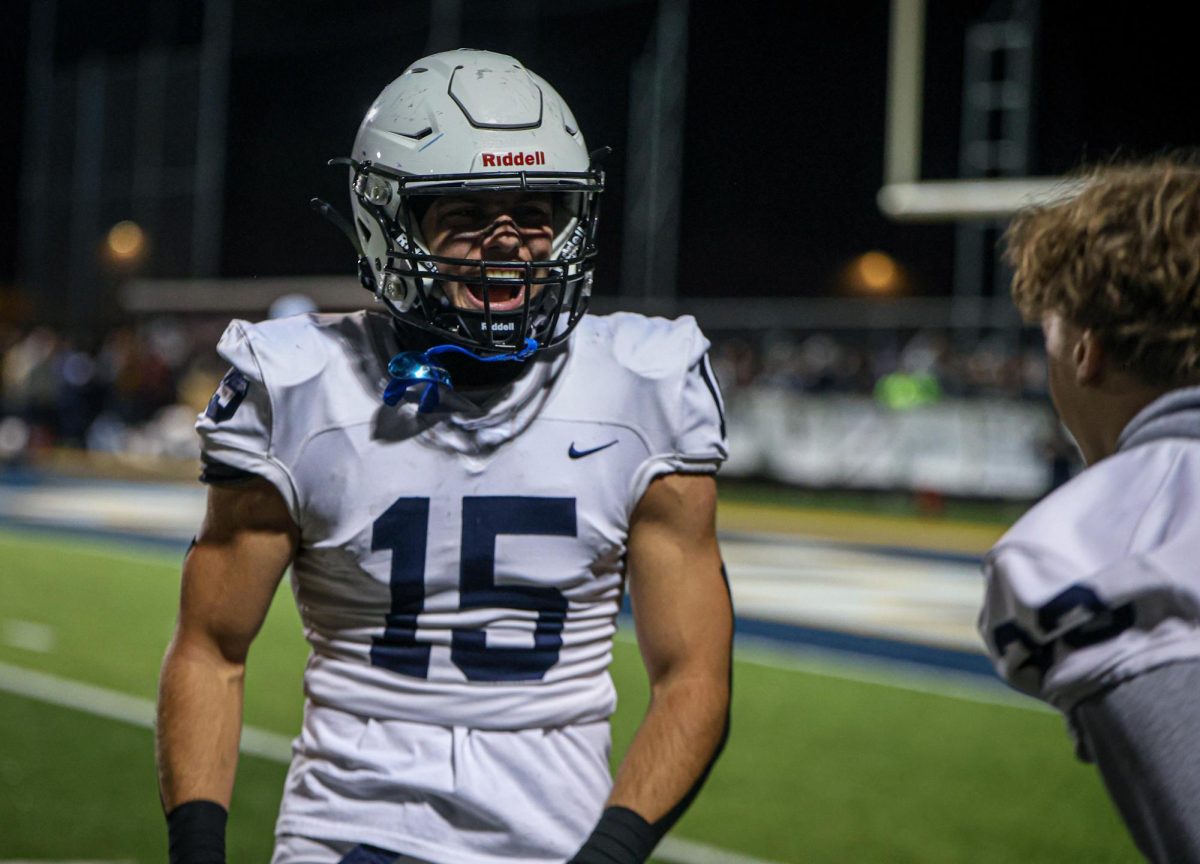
column 783, row 133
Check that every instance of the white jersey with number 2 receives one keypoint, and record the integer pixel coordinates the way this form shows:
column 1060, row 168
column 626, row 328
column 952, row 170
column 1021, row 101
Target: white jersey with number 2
column 1101, row 580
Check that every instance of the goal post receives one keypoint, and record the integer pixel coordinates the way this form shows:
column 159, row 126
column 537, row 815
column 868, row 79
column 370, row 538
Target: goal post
column 904, row 196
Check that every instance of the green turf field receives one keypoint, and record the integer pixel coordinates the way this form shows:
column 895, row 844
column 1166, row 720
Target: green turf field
column 818, row 768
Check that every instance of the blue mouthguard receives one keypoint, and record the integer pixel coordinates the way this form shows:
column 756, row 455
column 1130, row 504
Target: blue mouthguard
column 410, row 368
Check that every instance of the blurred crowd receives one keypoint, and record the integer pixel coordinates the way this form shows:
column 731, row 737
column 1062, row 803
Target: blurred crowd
column 138, row 388
column 995, row 365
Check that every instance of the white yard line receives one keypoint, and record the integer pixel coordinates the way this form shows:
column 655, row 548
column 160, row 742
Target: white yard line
column 112, row 705
column 28, row 636
column 255, row 742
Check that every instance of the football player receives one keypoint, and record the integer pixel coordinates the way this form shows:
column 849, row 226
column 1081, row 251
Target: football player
column 463, row 487
column 1093, row 597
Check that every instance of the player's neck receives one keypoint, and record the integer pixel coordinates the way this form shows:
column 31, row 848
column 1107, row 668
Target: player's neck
column 1110, row 413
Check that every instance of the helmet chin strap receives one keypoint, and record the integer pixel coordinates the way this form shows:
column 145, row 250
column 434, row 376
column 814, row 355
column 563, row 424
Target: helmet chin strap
column 412, row 368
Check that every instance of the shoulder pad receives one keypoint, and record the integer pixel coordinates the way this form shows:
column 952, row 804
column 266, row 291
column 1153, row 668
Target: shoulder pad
column 280, row 353
column 1098, row 514
column 648, row 347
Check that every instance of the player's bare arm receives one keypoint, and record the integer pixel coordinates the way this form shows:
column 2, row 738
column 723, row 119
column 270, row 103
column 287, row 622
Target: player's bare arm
column 229, row 577
column 684, row 624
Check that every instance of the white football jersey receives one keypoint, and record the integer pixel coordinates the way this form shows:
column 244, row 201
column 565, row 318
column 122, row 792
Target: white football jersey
column 1100, row 581
column 463, row 567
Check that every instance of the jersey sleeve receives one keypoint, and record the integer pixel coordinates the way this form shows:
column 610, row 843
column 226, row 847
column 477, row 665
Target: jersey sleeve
column 237, row 427
column 1061, row 633
column 1144, row 735
column 694, row 442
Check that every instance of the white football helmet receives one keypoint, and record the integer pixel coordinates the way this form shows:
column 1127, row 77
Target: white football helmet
column 473, row 121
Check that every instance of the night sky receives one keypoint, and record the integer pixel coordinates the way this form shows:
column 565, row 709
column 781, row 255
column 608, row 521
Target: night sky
column 783, row 133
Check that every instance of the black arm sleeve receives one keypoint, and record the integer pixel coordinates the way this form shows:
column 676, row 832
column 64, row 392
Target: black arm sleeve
column 1144, row 735
column 196, row 833
column 214, row 472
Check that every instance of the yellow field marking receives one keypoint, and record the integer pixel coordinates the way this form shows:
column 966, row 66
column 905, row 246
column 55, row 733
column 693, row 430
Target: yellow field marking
column 871, row 529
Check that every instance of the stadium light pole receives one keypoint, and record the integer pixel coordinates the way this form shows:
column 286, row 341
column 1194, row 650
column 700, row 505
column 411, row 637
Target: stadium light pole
column 445, row 25
column 35, row 177
column 650, row 245
column 211, row 139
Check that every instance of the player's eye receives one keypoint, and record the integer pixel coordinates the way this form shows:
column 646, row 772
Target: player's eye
column 532, row 215
column 463, row 213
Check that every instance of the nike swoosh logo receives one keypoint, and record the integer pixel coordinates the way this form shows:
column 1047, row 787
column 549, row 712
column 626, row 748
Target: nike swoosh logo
column 579, row 454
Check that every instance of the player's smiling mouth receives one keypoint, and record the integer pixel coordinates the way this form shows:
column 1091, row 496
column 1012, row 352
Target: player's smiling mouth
column 500, row 298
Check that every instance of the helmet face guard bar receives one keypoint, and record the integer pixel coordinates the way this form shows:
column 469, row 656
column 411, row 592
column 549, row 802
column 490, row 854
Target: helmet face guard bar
column 414, row 279
column 549, row 288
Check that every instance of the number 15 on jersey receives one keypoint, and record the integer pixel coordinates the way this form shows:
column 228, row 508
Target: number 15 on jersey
column 404, row 529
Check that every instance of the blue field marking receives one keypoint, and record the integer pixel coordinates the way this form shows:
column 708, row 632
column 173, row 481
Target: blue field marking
column 25, row 477
column 780, row 634
column 21, row 476
column 795, row 635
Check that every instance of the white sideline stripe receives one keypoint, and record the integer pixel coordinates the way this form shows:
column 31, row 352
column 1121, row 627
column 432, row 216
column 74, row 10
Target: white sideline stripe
column 118, row 706
column 109, row 704
column 673, row 850
column 882, row 672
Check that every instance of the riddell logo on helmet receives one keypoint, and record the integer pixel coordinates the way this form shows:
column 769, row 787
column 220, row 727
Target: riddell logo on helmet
column 503, row 160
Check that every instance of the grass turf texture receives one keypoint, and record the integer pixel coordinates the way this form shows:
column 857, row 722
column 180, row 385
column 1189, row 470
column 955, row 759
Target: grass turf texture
column 818, row 769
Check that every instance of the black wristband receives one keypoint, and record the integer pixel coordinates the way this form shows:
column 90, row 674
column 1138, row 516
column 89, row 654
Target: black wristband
column 196, row 833
column 620, row 837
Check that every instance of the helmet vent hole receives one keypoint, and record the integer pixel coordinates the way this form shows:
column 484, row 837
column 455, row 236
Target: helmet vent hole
column 570, row 131
column 417, row 136
column 364, row 231
column 419, row 69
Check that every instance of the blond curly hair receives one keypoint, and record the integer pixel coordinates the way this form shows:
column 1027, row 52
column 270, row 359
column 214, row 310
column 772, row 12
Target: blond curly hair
column 1122, row 258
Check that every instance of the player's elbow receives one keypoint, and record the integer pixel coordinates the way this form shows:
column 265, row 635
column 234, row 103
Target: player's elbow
column 224, row 654
column 703, row 692
column 697, row 669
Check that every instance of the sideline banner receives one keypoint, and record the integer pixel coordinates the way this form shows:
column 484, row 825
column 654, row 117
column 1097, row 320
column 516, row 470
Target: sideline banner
column 974, row 447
